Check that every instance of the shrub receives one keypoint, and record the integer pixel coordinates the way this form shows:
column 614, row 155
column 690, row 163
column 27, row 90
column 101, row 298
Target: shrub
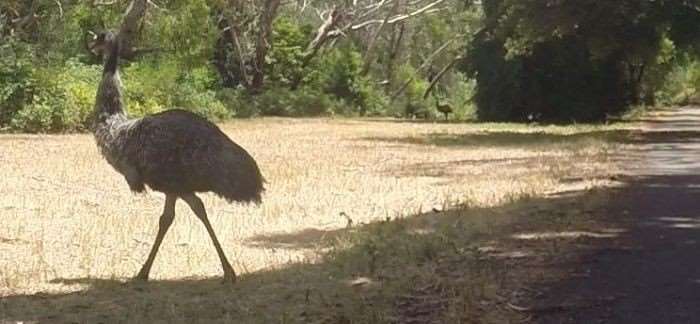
column 15, row 79
column 237, row 102
column 682, row 84
column 462, row 104
column 285, row 58
column 339, row 74
column 286, row 102
column 151, row 87
column 412, row 104
column 61, row 99
column 202, row 102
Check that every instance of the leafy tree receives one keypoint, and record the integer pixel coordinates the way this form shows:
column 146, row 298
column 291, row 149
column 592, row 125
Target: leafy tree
column 571, row 60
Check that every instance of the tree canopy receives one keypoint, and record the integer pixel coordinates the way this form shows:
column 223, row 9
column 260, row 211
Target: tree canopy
column 576, row 60
column 516, row 60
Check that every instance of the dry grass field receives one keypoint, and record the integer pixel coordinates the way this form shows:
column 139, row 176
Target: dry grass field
column 71, row 233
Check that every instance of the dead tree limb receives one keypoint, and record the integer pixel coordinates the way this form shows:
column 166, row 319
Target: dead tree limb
column 22, row 23
column 425, row 9
column 372, row 43
column 262, row 44
column 440, row 75
column 421, row 67
column 231, row 29
column 135, row 13
column 323, row 35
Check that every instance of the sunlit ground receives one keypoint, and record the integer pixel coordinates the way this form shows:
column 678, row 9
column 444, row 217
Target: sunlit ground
column 66, row 214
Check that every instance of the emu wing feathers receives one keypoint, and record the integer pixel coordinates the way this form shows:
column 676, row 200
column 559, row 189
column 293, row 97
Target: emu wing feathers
column 177, row 151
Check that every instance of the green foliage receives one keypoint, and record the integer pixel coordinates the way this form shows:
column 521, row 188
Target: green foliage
column 462, row 102
column 285, row 60
column 148, row 86
column 61, row 99
column 412, row 104
column 285, row 102
column 339, row 75
column 15, row 79
column 586, row 61
column 187, row 29
column 683, row 84
column 151, row 87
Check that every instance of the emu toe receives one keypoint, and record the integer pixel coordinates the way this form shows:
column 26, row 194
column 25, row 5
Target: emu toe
column 141, row 277
column 229, row 277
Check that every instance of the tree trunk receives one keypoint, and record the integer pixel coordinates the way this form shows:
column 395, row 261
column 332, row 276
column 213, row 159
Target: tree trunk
column 262, row 44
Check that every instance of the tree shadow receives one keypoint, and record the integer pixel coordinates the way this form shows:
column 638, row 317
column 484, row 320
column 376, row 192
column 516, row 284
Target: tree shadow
column 461, row 251
column 305, row 239
column 504, row 139
column 648, row 273
column 496, row 241
column 398, row 256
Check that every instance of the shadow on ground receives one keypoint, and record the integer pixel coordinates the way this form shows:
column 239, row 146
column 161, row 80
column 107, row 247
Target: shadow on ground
column 505, row 139
column 624, row 254
column 426, row 268
column 651, row 272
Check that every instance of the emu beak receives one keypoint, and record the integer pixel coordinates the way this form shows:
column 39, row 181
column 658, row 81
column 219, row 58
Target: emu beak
column 92, row 43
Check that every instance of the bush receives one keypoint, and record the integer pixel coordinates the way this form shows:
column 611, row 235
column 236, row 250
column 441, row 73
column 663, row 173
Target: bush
column 339, row 74
column 682, row 84
column 151, row 87
column 299, row 102
column 412, row 104
column 61, row 99
column 464, row 108
column 285, row 59
column 237, row 102
column 559, row 81
column 202, row 102
column 15, row 79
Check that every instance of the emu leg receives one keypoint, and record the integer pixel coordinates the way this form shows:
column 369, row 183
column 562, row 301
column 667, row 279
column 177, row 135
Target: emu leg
column 198, row 208
column 163, row 225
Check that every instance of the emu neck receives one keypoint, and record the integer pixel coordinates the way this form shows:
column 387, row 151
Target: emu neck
column 109, row 98
column 109, row 105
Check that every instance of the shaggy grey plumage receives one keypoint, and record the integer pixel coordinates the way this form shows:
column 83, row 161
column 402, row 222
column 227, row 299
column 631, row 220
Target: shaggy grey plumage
column 444, row 108
column 175, row 152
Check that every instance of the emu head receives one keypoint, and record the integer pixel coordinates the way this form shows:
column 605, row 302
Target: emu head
column 102, row 43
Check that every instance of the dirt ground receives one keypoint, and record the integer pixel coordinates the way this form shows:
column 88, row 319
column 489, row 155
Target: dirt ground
column 364, row 221
column 649, row 270
column 561, row 226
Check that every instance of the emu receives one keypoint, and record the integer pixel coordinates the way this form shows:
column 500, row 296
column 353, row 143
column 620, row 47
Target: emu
column 174, row 152
column 444, row 108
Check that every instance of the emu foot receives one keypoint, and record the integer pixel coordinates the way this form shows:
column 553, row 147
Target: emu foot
column 142, row 276
column 229, row 277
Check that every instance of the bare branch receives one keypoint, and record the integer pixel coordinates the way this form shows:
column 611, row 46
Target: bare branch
column 60, row 8
column 130, row 26
column 423, row 66
column 370, row 48
column 103, row 2
column 233, row 34
column 269, row 12
column 440, row 75
column 323, row 34
column 424, row 10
